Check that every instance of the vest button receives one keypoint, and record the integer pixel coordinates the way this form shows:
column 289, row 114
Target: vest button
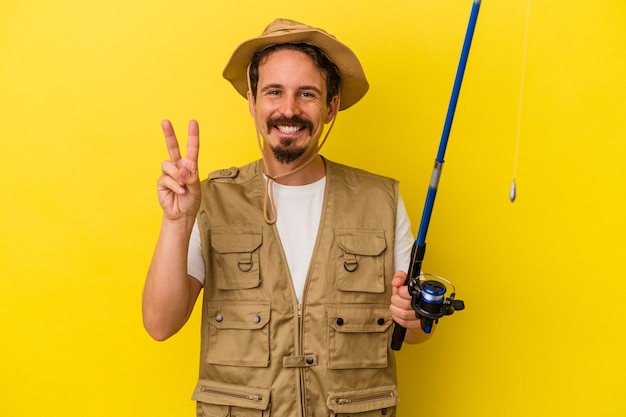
column 309, row 360
column 339, row 321
column 381, row 321
column 256, row 319
column 219, row 318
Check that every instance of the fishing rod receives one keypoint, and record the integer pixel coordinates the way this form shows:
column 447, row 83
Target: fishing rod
column 428, row 296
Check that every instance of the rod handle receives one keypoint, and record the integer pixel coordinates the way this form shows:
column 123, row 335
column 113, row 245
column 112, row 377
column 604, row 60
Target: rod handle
column 415, row 268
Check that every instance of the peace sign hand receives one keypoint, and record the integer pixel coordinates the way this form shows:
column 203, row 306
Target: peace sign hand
column 179, row 184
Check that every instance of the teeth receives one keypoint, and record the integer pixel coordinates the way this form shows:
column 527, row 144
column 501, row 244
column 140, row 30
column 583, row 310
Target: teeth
column 288, row 129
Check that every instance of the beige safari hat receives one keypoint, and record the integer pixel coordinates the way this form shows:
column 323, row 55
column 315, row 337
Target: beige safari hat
column 354, row 84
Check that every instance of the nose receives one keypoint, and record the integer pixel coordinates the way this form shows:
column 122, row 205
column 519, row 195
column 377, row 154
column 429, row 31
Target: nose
column 290, row 105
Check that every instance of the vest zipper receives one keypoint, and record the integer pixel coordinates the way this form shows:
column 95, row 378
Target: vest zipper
column 364, row 397
column 300, row 371
column 233, row 394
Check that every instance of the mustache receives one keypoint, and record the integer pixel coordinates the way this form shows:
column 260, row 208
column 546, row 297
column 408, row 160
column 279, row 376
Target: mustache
column 295, row 121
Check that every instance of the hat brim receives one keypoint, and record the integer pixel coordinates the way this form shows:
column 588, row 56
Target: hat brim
column 354, row 84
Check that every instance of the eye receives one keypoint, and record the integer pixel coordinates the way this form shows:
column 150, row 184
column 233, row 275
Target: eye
column 271, row 91
column 310, row 95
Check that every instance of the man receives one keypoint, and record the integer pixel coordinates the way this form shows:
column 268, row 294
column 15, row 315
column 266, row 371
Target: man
column 296, row 254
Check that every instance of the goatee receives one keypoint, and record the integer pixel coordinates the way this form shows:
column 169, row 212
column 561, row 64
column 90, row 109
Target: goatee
column 285, row 152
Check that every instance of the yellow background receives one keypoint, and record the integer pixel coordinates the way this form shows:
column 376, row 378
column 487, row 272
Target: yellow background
column 84, row 85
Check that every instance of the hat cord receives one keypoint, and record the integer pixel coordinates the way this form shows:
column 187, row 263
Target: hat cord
column 270, row 180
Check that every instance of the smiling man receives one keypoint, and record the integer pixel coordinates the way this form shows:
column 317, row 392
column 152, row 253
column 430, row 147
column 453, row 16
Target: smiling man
column 301, row 261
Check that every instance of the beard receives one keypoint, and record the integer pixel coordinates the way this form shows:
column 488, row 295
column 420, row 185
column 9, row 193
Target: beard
column 286, row 152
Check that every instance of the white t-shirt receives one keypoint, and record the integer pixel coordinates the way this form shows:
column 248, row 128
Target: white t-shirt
column 299, row 210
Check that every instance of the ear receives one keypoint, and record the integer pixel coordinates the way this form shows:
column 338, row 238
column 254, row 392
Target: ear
column 251, row 104
column 333, row 108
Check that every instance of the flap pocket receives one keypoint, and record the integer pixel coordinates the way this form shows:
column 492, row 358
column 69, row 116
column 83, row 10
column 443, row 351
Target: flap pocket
column 364, row 400
column 236, row 261
column 238, row 333
column 219, row 393
column 358, row 335
column 361, row 263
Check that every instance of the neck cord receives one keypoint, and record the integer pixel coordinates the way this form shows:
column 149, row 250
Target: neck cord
column 269, row 213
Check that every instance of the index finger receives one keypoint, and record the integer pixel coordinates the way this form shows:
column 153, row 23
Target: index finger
column 171, row 141
column 193, row 143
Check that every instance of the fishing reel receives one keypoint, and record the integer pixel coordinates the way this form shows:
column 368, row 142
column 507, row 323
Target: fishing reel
column 428, row 299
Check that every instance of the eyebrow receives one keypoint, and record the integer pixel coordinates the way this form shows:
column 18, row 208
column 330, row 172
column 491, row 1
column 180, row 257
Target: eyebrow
column 279, row 86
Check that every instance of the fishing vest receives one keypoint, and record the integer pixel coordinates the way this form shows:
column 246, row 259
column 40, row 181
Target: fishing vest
column 264, row 354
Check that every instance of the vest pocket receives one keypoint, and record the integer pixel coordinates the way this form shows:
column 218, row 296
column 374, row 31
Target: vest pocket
column 238, row 333
column 361, row 265
column 358, row 335
column 371, row 402
column 236, row 257
column 218, row 399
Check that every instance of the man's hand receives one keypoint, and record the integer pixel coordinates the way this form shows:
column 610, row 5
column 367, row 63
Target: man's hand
column 170, row 293
column 179, row 184
column 402, row 312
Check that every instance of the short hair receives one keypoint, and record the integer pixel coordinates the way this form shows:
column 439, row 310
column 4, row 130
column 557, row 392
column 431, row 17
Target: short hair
column 333, row 78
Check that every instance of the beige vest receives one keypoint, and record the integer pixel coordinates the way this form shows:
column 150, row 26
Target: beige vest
column 262, row 353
